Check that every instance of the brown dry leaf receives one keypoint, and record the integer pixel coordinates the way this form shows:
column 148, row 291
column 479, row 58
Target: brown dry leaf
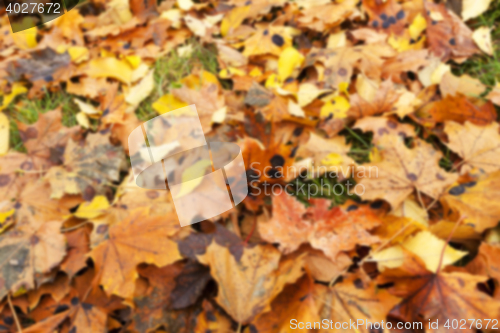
column 320, row 155
column 351, row 300
column 12, row 180
column 137, row 239
column 34, row 203
column 381, row 126
column 381, row 102
column 458, row 108
column 340, row 63
column 250, row 281
column 30, row 248
column 46, row 139
column 212, row 320
column 465, row 85
column 329, row 230
column 297, row 301
column 57, row 289
column 271, row 40
column 486, row 262
column 448, row 38
column 494, row 95
column 403, row 170
column 388, row 16
column 476, row 201
column 207, row 99
column 78, row 246
column 88, row 87
column 323, row 268
column 272, row 107
column 153, row 305
column 437, row 296
column 87, row 168
column 49, row 324
column 327, row 15
column 478, row 146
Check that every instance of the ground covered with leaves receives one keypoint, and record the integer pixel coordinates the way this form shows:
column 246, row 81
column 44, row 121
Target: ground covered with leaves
column 378, row 118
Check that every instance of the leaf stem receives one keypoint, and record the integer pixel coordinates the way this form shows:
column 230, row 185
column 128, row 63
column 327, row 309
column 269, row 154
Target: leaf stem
column 14, row 314
column 448, row 241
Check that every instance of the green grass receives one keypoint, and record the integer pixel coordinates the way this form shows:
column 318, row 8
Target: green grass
column 170, row 69
column 27, row 111
column 485, row 68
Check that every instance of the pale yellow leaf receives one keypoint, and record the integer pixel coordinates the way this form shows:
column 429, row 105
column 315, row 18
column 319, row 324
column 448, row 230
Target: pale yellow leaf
column 4, row 134
column 482, row 38
column 141, row 90
column 96, row 207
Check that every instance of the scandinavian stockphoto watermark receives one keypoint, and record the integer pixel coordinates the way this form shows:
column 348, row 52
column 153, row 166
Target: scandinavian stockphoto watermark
column 321, row 186
column 171, row 152
column 206, row 179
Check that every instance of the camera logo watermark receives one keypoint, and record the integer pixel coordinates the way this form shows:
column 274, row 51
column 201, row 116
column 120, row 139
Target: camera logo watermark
column 170, row 152
column 26, row 14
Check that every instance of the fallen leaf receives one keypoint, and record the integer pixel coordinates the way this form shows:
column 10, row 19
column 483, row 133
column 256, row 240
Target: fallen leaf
column 248, row 284
column 46, row 139
column 137, row 239
column 381, row 126
column 478, row 146
column 472, row 9
column 4, row 134
column 296, row 302
column 110, row 67
column 434, row 255
column 30, row 248
column 85, row 167
column 402, row 170
column 442, row 296
column 475, row 201
column 352, row 300
column 482, row 37
column 329, row 230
